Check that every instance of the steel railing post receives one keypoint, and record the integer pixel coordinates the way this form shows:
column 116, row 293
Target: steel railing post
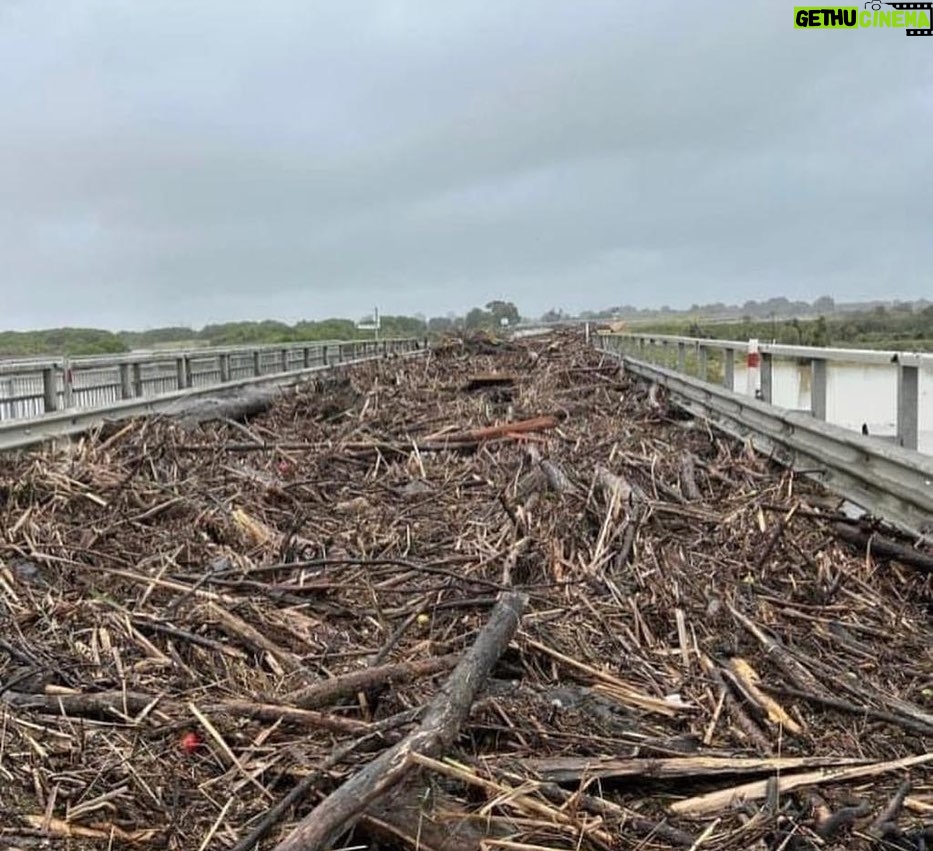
column 767, row 377
column 126, row 381
column 818, row 388
column 908, row 405
column 68, row 384
column 182, row 373
column 728, row 368
column 49, row 389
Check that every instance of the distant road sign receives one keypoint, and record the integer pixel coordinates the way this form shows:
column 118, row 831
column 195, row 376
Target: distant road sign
column 371, row 323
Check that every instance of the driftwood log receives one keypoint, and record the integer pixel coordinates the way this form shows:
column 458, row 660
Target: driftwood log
column 884, row 547
column 336, row 813
column 232, row 405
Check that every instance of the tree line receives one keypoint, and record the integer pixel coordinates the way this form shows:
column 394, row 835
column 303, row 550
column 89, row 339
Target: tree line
column 823, row 322
column 94, row 341
column 898, row 327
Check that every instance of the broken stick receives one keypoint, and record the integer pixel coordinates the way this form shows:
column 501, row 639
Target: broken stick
column 330, row 691
column 478, row 435
column 711, row 802
column 437, row 731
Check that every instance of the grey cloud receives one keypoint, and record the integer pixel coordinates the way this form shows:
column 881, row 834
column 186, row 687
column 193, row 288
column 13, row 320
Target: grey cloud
column 194, row 162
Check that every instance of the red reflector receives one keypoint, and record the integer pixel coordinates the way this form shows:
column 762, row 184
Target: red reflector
column 753, row 361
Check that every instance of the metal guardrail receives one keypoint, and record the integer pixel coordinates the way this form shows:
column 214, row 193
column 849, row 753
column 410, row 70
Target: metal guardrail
column 886, row 480
column 37, row 386
column 15, row 433
column 762, row 356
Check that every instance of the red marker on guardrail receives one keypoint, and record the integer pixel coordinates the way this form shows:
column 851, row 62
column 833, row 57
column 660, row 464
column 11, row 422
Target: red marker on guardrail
column 752, row 369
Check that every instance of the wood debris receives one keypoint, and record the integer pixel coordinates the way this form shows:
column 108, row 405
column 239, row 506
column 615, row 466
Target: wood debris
column 502, row 596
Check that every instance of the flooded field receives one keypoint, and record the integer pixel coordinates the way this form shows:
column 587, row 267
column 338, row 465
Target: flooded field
column 856, row 394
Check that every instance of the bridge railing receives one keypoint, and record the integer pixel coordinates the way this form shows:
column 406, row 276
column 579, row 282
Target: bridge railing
column 888, row 481
column 721, row 361
column 35, row 387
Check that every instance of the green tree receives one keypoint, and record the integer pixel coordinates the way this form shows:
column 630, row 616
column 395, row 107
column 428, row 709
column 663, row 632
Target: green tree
column 820, row 335
column 500, row 310
column 477, row 318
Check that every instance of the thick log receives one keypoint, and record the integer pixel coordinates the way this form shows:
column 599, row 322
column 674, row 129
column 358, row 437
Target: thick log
column 231, row 405
column 884, row 547
column 436, row 733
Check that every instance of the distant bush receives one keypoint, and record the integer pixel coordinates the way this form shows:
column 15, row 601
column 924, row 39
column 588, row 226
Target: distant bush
column 60, row 341
column 874, row 329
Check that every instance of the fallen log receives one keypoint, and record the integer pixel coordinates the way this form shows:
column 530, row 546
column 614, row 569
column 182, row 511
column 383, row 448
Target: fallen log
column 124, row 705
column 711, row 802
column 570, row 769
column 884, row 547
column 328, row 691
column 478, row 435
column 555, row 479
column 436, row 732
column 233, row 405
column 297, row 792
column 909, row 721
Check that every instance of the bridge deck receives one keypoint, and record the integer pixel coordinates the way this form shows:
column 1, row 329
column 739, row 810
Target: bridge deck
column 172, row 600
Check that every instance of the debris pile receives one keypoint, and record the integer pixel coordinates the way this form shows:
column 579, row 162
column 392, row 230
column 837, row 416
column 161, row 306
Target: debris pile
column 498, row 597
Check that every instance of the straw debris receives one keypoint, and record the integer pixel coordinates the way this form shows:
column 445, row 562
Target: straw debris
column 218, row 630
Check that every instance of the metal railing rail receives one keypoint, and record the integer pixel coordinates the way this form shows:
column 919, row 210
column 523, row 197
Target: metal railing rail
column 16, row 433
column 35, row 387
column 760, row 357
column 886, row 480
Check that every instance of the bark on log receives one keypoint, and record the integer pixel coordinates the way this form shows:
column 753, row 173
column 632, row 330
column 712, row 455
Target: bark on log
column 478, row 435
column 329, row 691
column 885, row 547
column 688, row 481
column 437, row 731
column 233, row 405
column 555, row 479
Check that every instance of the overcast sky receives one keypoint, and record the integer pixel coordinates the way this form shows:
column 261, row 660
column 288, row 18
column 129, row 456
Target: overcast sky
column 185, row 162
